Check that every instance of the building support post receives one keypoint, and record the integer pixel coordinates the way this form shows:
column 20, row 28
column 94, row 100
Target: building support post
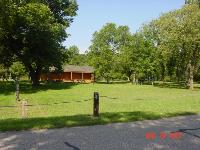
column 71, row 76
column 82, row 77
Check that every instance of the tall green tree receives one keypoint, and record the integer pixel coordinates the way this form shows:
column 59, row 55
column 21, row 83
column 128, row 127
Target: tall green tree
column 180, row 34
column 139, row 58
column 34, row 32
column 72, row 52
column 104, row 51
column 74, row 56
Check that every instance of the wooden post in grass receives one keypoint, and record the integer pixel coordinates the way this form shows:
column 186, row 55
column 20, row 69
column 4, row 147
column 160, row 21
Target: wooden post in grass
column 24, row 108
column 96, row 104
column 17, row 90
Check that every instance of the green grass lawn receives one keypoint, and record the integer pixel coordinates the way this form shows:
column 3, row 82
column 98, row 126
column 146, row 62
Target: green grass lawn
column 64, row 104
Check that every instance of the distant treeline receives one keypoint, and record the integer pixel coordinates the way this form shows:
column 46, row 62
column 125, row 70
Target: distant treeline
column 166, row 49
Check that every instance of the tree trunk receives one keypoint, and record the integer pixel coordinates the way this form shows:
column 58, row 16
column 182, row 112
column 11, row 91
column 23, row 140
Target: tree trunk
column 107, row 80
column 129, row 77
column 17, row 89
column 190, row 76
column 34, row 79
column 133, row 79
column 35, row 75
column 136, row 81
column 152, row 80
column 162, row 72
column 178, row 75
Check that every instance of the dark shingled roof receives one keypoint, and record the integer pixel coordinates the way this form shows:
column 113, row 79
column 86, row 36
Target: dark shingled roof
column 82, row 69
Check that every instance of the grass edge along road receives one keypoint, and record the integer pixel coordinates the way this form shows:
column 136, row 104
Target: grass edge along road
column 80, row 120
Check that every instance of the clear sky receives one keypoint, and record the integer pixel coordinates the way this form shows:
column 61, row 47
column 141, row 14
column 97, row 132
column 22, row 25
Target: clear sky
column 93, row 14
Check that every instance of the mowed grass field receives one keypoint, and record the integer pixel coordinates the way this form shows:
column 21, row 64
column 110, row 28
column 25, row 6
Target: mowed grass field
column 57, row 105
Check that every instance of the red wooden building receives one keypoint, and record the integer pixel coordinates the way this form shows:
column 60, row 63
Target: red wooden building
column 71, row 73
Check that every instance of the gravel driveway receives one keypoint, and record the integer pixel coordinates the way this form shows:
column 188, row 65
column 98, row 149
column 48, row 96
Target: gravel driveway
column 118, row 136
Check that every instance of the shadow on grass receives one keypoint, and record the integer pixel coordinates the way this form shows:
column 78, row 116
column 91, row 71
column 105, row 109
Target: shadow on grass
column 58, row 103
column 81, row 120
column 180, row 85
column 170, row 85
column 8, row 87
column 112, row 82
column 111, row 98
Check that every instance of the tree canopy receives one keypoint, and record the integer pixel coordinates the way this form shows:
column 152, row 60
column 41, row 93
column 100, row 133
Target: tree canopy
column 105, row 48
column 179, row 32
column 33, row 32
column 167, row 48
column 75, row 57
